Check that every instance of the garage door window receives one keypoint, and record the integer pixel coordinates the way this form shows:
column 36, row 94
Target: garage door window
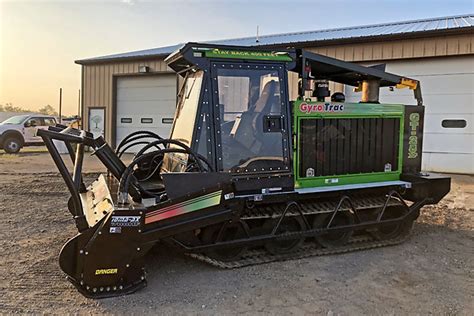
column 454, row 123
column 146, row 120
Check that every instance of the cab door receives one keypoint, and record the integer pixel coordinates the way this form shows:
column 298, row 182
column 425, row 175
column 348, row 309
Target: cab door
column 252, row 119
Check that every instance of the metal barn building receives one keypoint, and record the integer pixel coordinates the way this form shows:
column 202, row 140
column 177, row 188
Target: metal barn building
column 126, row 92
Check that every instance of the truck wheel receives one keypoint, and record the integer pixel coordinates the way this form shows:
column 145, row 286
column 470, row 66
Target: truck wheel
column 12, row 145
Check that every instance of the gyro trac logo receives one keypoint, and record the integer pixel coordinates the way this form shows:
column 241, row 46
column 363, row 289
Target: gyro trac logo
column 321, row 107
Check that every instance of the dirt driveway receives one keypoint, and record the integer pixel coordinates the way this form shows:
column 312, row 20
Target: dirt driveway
column 432, row 273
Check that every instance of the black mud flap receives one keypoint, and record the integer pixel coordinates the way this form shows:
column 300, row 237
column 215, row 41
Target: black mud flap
column 107, row 259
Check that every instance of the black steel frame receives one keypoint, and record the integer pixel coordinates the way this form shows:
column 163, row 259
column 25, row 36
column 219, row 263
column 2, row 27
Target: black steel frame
column 74, row 183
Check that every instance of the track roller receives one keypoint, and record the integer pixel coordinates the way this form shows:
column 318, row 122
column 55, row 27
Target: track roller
column 227, row 232
column 393, row 230
column 288, row 224
column 335, row 239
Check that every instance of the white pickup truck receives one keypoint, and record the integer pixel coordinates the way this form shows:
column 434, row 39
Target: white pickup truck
column 19, row 131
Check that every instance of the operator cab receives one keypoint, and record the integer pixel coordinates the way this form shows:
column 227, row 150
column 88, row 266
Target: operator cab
column 234, row 112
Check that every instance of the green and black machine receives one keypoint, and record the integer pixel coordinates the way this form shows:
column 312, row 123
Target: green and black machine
column 262, row 164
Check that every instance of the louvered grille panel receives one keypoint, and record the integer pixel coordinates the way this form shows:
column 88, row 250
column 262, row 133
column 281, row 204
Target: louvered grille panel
column 348, row 146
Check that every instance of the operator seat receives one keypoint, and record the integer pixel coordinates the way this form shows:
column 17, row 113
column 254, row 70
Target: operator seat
column 250, row 129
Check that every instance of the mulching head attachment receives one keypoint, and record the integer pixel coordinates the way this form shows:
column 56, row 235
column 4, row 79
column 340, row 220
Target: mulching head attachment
column 117, row 229
column 107, row 259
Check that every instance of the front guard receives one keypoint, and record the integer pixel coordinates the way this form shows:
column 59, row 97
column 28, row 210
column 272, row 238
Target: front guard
column 107, row 259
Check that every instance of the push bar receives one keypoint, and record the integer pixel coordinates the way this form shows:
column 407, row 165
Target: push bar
column 74, row 183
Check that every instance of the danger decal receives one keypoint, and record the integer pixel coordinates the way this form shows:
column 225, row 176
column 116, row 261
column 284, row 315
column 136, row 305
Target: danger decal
column 106, row 271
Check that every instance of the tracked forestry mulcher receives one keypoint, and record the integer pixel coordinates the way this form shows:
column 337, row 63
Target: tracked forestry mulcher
column 248, row 176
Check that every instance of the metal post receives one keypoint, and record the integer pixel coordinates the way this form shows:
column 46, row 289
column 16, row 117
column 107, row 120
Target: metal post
column 79, row 103
column 60, row 104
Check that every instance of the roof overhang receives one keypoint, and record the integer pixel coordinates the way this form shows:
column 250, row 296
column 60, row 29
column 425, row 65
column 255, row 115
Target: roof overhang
column 373, row 39
column 163, row 52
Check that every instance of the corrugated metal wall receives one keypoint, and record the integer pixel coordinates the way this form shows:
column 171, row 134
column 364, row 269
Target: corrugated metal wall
column 400, row 49
column 98, row 85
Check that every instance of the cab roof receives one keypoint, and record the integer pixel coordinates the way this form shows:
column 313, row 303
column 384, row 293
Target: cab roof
column 197, row 54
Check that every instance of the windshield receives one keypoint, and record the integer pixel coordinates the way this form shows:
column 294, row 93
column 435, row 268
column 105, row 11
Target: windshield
column 15, row 120
column 184, row 121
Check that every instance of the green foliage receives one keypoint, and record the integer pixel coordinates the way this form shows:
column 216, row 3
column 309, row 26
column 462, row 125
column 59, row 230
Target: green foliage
column 9, row 107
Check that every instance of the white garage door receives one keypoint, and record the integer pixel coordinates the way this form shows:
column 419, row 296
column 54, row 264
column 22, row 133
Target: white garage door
column 447, row 86
column 145, row 103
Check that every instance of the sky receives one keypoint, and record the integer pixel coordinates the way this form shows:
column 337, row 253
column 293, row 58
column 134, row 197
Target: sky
column 40, row 40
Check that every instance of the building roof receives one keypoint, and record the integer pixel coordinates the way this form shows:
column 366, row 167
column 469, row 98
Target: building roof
column 413, row 27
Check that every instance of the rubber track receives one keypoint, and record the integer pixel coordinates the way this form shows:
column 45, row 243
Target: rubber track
column 256, row 257
column 308, row 249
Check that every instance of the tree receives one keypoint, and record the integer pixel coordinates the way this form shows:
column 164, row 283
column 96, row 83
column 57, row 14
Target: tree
column 48, row 110
column 9, row 107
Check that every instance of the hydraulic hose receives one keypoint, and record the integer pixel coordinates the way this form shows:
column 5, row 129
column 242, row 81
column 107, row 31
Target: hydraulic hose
column 127, row 174
column 178, row 143
column 139, row 135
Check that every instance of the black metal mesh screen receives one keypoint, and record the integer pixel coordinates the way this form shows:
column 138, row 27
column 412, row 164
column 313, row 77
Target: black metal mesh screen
column 348, row 146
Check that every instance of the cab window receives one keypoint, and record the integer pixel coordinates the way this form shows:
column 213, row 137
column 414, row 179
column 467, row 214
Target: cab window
column 32, row 122
column 184, row 121
column 49, row 121
column 249, row 99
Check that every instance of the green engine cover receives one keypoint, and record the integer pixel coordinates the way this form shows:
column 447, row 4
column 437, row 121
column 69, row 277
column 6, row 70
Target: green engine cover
column 347, row 143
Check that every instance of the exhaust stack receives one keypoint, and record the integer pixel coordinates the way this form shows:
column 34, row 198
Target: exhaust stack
column 370, row 91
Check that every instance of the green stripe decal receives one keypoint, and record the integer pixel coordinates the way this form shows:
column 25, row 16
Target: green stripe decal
column 192, row 205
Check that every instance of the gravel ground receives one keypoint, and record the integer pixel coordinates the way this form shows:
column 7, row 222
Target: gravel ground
column 432, row 273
